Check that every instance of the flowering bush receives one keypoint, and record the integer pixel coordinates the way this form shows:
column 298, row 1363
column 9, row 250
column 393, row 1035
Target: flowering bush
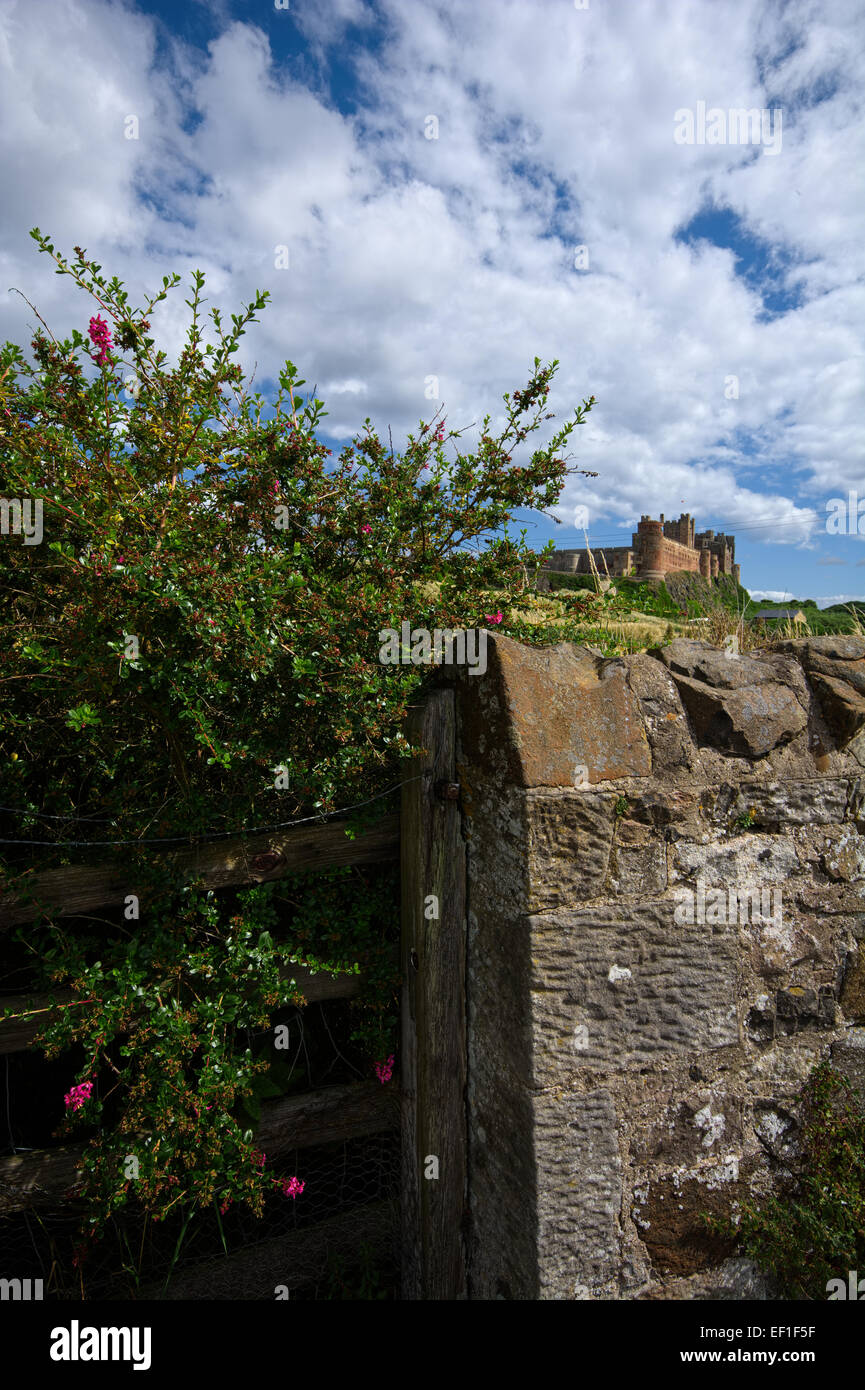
column 384, row 1070
column 100, row 335
column 75, row 1098
column 193, row 651
column 810, row 1230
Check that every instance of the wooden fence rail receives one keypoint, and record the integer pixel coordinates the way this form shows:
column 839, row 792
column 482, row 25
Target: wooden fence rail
column 324, row 1116
column 75, row 889
column 257, row 1271
column 319, row 1117
column 30, row 1012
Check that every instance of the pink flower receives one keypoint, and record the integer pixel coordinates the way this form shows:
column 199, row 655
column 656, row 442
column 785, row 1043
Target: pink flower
column 100, row 336
column 366, row 528
column 75, row 1098
column 494, row 617
column 292, row 1187
column 384, row 1070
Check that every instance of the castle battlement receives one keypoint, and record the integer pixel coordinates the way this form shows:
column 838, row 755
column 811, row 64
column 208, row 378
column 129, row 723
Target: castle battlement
column 658, row 547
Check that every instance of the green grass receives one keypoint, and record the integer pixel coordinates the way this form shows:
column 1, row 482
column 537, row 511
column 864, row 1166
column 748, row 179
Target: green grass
column 839, row 618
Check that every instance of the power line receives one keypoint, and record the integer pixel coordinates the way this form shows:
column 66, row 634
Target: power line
column 772, row 523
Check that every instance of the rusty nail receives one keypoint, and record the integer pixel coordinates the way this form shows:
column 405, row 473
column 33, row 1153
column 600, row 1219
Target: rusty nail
column 447, row 791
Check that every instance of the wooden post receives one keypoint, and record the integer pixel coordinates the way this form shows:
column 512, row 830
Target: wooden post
column 433, row 1061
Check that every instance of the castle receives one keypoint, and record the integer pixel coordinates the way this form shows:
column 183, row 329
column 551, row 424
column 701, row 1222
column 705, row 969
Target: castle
column 657, row 548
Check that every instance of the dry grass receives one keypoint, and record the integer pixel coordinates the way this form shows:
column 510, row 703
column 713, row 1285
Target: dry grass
column 635, row 631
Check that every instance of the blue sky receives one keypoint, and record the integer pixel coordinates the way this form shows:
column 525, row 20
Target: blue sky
column 433, row 169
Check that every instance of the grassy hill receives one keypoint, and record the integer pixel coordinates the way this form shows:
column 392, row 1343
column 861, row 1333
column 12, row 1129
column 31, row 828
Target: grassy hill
column 630, row 615
column 840, row 617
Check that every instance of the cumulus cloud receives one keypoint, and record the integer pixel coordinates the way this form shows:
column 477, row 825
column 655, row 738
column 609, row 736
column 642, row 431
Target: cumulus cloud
column 425, row 270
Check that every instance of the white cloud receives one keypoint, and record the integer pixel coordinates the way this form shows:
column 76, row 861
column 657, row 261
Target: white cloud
column 412, row 258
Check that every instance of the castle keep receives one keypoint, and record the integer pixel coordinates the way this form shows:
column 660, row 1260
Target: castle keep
column 658, row 548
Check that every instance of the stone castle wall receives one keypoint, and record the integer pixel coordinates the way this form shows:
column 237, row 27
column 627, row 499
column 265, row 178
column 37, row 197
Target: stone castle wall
column 628, row 1069
column 657, row 548
column 670, row 557
column 620, row 560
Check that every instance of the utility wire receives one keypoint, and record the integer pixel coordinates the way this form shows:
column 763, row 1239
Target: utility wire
column 771, row 523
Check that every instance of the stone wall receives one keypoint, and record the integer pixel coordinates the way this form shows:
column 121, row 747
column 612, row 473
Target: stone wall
column 674, row 556
column 629, row 1068
column 618, row 560
column 657, row 548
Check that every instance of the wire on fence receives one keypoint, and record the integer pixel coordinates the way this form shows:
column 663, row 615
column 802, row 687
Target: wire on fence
column 198, row 839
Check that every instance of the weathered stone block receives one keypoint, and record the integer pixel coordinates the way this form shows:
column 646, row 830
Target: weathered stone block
column 848, row 1058
column 616, row 989
column 777, row 805
column 836, row 671
column 777, row 1130
column 579, row 1177
column 748, row 722
column 702, row 662
column 853, row 989
column 569, row 839
column 790, row 1011
column 663, row 715
column 685, row 1125
column 638, row 871
column 742, row 705
column 734, row 1280
column 846, row 859
column 668, row 1211
column 741, row 861
column 556, row 716
column 797, row 1008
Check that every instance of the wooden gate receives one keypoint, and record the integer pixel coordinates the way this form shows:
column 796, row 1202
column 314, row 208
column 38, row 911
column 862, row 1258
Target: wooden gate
column 429, row 1100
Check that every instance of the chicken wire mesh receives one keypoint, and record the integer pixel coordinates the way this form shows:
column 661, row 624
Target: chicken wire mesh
column 338, row 1238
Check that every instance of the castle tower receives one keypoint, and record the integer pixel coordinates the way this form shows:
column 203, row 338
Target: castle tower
column 723, row 553
column 658, row 548
column 651, row 534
